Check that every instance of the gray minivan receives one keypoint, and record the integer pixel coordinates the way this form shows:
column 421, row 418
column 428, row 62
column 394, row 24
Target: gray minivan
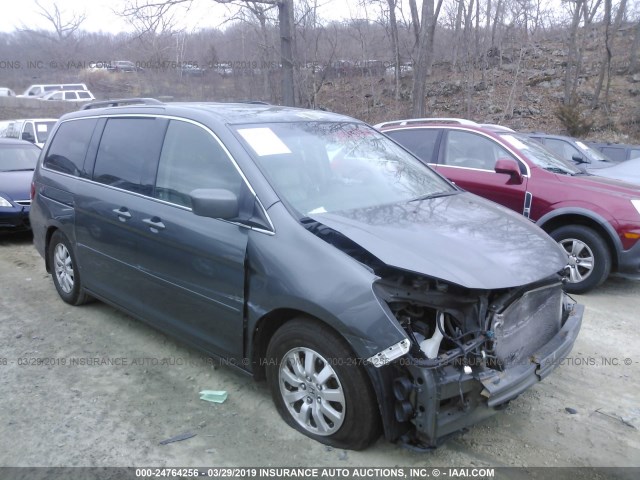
column 310, row 249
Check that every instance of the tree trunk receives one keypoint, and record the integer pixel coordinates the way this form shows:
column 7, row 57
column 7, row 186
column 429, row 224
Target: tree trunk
column 571, row 58
column 425, row 55
column 285, row 16
column 395, row 46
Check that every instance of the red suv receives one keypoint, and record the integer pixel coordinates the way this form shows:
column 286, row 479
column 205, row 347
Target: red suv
column 596, row 220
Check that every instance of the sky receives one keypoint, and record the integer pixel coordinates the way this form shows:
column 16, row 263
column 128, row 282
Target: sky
column 100, row 14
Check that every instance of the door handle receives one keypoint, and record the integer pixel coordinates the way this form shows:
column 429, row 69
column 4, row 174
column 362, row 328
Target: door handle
column 123, row 213
column 155, row 224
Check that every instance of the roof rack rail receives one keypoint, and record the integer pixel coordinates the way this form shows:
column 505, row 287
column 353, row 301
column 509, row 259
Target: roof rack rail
column 409, row 121
column 119, row 102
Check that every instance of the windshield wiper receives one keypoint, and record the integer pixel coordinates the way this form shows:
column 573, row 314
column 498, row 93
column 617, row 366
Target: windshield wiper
column 558, row 170
column 428, row 196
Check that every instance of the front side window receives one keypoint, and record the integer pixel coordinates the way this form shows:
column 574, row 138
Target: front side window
column 68, row 148
column 562, row 148
column 129, row 147
column 70, row 96
column 467, row 149
column 84, row 95
column 30, row 133
column 319, row 166
column 192, row 159
column 539, row 155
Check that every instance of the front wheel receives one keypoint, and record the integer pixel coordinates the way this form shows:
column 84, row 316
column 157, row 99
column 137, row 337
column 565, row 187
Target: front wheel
column 589, row 257
column 66, row 277
column 318, row 387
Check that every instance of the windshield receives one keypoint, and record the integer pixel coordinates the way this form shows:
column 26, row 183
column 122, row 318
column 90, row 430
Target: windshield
column 42, row 130
column 18, row 157
column 322, row 167
column 594, row 154
column 539, row 155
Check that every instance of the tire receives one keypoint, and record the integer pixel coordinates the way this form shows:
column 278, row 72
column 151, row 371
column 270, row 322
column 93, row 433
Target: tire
column 589, row 257
column 341, row 406
column 64, row 267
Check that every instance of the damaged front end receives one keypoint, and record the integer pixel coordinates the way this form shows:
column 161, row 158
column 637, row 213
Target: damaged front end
column 470, row 351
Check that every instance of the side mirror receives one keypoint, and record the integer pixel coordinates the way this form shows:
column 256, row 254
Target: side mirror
column 215, row 203
column 509, row 167
column 578, row 159
column 28, row 136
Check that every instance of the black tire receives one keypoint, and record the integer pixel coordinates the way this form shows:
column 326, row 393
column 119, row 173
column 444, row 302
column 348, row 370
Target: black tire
column 360, row 419
column 64, row 270
column 589, row 244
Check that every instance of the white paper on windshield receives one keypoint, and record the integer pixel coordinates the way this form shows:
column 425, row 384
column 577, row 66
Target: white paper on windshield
column 318, row 210
column 41, row 127
column 581, row 145
column 515, row 142
column 264, row 141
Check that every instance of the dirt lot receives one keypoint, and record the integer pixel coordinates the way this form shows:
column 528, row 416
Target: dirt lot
column 106, row 415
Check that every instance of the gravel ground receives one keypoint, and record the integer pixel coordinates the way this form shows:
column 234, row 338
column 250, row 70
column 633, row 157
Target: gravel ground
column 116, row 415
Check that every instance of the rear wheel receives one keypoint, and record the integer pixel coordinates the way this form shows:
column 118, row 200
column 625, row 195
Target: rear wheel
column 66, row 277
column 589, row 257
column 318, row 387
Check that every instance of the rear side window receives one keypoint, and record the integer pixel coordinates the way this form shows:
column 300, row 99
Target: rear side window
column 191, row 158
column 128, row 149
column 69, row 146
column 70, row 96
column 420, row 142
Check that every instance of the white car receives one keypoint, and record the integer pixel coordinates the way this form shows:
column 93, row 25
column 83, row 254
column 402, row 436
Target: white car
column 7, row 92
column 34, row 130
column 69, row 96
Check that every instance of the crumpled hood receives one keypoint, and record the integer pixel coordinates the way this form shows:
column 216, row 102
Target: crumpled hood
column 460, row 238
column 16, row 184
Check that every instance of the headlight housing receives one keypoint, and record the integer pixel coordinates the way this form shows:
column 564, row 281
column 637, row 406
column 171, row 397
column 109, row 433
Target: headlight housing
column 4, row 203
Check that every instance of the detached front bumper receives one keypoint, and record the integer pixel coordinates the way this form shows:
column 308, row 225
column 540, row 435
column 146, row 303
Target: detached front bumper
column 447, row 399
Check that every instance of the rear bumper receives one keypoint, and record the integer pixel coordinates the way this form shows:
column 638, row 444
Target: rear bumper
column 448, row 400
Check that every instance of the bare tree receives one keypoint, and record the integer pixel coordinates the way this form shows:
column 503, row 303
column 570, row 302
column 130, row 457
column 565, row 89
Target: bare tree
column 424, row 57
column 64, row 28
column 605, row 67
column 161, row 8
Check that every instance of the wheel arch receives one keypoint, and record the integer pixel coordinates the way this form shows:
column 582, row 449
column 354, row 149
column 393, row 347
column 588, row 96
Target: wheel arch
column 585, row 218
column 380, row 379
column 50, row 231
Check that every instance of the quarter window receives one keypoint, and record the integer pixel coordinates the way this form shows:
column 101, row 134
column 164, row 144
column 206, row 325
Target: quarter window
column 128, row 149
column 191, row 159
column 421, row 142
column 69, row 146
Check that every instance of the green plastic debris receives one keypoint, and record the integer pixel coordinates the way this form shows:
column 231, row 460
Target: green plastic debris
column 215, row 396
